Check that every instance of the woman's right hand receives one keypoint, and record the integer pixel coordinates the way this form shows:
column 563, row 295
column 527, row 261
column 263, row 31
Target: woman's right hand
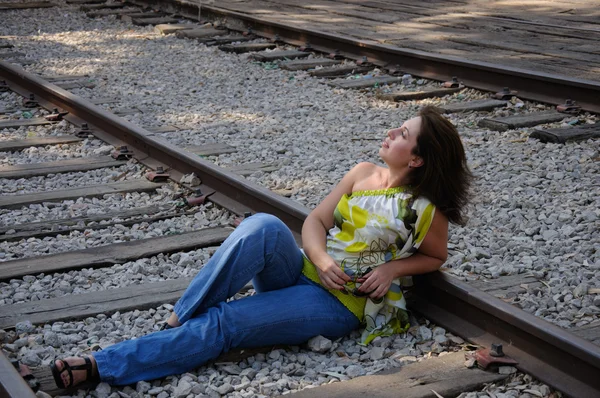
column 331, row 275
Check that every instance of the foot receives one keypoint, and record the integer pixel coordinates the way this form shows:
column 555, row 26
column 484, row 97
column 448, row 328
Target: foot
column 79, row 371
column 173, row 321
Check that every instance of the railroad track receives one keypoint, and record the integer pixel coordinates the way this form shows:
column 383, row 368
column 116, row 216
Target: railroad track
column 553, row 355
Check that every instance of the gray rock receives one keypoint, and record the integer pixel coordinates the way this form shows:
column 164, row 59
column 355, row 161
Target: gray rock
column 102, row 390
column 354, row 371
column 376, row 353
column 581, row 290
column 42, row 394
column 274, row 355
column 441, row 339
column 155, row 390
column 250, row 373
column 507, row 370
column 163, row 394
column 225, row 388
column 31, row 359
column 269, row 389
column 319, row 344
column 143, row 387
column 182, row 390
column 51, row 339
column 425, row 333
column 24, row 327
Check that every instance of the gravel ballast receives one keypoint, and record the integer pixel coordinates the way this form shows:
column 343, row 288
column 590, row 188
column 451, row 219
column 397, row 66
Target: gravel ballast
column 536, row 207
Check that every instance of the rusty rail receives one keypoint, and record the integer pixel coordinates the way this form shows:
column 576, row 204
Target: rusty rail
column 11, row 384
column 550, row 354
column 531, row 85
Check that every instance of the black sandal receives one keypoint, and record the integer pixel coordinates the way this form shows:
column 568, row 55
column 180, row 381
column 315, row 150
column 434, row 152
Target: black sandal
column 166, row 326
column 66, row 367
column 29, row 378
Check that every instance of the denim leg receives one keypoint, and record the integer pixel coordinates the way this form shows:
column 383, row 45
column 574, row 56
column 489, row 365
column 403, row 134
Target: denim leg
column 287, row 316
column 262, row 247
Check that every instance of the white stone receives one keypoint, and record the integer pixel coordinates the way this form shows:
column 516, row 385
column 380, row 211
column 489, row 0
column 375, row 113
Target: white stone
column 319, row 344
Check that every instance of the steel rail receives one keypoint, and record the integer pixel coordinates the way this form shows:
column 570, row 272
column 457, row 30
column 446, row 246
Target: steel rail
column 232, row 192
column 553, row 355
column 531, row 85
column 11, row 383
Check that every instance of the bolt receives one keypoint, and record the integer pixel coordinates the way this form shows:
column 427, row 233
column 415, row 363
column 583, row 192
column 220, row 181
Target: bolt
column 122, row 149
column 198, row 193
column 160, row 170
column 247, row 214
column 496, row 350
column 84, row 126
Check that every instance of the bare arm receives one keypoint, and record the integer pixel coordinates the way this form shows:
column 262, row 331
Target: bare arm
column 431, row 255
column 320, row 220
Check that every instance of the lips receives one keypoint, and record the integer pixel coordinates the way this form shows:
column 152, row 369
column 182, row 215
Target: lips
column 385, row 144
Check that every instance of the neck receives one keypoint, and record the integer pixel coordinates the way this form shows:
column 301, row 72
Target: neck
column 395, row 177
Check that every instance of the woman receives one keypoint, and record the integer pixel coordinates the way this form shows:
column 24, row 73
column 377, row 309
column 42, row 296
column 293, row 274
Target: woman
column 379, row 224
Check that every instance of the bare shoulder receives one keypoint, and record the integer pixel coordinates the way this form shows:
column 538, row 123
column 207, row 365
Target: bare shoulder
column 364, row 170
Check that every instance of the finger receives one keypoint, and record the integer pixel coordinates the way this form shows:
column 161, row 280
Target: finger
column 378, row 293
column 369, row 285
column 342, row 275
column 336, row 278
column 332, row 283
column 367, row 275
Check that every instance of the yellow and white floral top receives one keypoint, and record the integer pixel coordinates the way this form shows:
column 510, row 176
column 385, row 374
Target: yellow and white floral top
column 371, row 228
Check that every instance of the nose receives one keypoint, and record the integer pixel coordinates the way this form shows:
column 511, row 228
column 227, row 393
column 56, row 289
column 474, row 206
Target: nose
column 392, row 133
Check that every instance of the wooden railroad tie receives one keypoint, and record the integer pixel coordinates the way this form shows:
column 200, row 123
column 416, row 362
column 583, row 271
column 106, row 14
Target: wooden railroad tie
column 93, row 7
column 340, row 71
column 365, row 82
column 60, row 166
column 519, row 121
column 81, row 2
column 306, row 64
column 279, row 55
column 106, row 13
column 12, row 54
column 108, row 255
column 18, row 145
column 167, row 29
column 565, row 134
column 11, row 124
column 18, row 201
column 200, row 33
column 217, row 41
column 246, row 47
column 42, row 229
column 145, row 20
column 417, row 95
column 23, row 5
column 446, row 375
column 478, row 105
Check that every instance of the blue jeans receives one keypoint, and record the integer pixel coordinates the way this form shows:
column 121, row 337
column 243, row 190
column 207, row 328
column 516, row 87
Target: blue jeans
column 287, row 309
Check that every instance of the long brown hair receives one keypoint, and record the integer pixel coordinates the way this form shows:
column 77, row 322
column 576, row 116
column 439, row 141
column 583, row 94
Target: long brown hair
column 444, row 178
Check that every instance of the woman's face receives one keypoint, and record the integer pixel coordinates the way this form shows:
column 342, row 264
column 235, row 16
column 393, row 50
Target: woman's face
column 397, row 147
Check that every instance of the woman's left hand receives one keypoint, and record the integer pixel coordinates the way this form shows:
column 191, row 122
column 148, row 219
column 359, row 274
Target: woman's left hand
column 377, row 282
